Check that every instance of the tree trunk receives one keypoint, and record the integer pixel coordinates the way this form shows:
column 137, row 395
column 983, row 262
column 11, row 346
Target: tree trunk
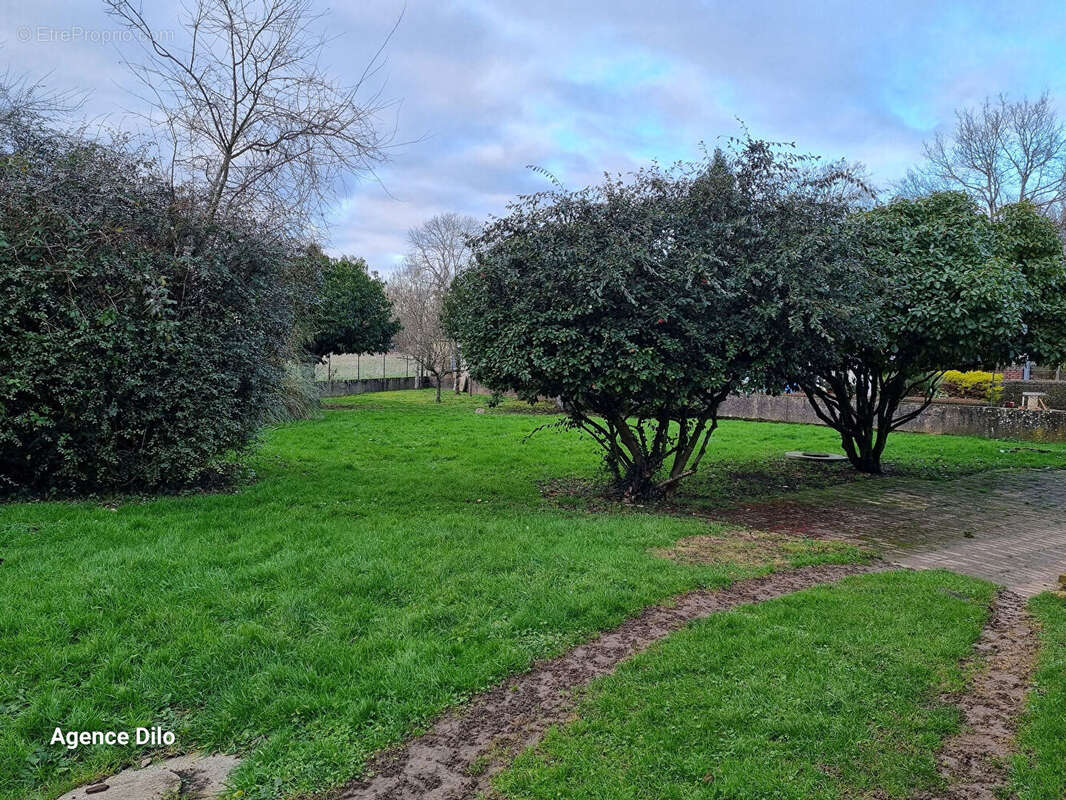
column 638, row 485
column 438, row 388
column 865, row 459
column 639, row 481
column 218, row 187
column 864, row 443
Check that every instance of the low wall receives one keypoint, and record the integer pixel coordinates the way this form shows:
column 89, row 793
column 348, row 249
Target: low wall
column 1055, row 391
column 965, row 420
column 365, row 385
column 470, row 386
column 990, row 422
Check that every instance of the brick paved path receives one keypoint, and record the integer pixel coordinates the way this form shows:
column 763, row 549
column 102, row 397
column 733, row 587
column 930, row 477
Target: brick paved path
column 1006, row 526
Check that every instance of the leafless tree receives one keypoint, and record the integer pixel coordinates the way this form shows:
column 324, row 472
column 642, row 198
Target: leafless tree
column 417, row 303
column 249, row 114
column 438, row 252
column 1000, row 152
column 439, row 246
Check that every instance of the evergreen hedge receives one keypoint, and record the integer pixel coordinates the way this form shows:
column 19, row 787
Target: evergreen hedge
column 138, row 344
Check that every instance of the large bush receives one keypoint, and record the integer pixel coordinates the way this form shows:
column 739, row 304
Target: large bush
column 138, row 346
column 921, row 286
column 353, row 313
column 641, row 303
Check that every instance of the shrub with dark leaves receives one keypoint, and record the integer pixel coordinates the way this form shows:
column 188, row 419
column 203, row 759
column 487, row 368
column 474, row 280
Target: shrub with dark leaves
column 640, row 304
column 137, row 345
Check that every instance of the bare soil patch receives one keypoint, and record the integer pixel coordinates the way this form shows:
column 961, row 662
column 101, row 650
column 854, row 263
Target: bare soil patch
column 796, row 518
column 1005, row 526
column 975, row 761
column 746, row 547
column 460, row 754
column 556, row 489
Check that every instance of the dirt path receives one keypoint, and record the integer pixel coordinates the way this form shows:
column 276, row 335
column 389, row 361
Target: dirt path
column 460, row 754
column 975, row 761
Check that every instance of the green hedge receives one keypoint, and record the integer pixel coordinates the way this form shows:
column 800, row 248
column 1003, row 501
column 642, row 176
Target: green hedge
column 138, row 345
column 975, row 385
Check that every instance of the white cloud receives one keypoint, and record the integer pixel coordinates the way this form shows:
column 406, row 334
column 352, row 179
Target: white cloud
column 489, row 86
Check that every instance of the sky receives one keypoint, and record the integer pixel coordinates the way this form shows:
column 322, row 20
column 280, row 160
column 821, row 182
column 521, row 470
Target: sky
column 481, row 89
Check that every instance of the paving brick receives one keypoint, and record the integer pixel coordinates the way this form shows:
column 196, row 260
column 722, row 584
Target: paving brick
column 1007, row 526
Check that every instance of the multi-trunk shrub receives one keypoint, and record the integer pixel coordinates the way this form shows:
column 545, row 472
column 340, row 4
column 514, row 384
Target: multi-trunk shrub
column 138, row 341
column 641, row 303
column 920, row 285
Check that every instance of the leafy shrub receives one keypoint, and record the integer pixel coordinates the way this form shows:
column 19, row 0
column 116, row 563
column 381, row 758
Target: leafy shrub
column 974, row 385
column 643, row 302
column 353, row 314
column 138, row 344
column 923, row 284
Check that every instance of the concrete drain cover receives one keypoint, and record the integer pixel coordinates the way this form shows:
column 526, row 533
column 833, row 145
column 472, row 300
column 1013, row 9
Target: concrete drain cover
column 191, row 777
column 803, row 455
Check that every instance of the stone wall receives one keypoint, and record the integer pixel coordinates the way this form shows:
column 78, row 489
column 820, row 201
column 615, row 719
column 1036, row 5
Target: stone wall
column 470, row 386
column 341, row 388
column 966, row 420
column 1055, row 391
column 942, row 418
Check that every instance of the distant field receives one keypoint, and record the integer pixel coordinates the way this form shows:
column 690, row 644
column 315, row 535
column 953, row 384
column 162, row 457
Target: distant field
column 370, row 366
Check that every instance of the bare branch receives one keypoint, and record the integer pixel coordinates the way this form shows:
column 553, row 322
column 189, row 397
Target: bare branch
column 1001, row 152
column 257, row 125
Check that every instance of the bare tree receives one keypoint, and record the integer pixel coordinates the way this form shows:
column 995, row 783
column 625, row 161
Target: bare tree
column 439, row 246
column 999, row 153
column 417, row 303
column 250, row 115
column 439, row 251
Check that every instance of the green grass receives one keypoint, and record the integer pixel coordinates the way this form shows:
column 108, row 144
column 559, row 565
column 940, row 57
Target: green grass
column 1040, row 767
column 828, row 693
column 746, row 459
column 393, row 557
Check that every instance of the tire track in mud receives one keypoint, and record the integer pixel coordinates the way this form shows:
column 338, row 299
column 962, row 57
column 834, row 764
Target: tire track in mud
column 975, row 762
column 460, row 754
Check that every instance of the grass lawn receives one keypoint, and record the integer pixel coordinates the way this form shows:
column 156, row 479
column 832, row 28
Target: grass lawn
column 746, row 459
column 827, row 693
column 1040, row 768
column 393, row 557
